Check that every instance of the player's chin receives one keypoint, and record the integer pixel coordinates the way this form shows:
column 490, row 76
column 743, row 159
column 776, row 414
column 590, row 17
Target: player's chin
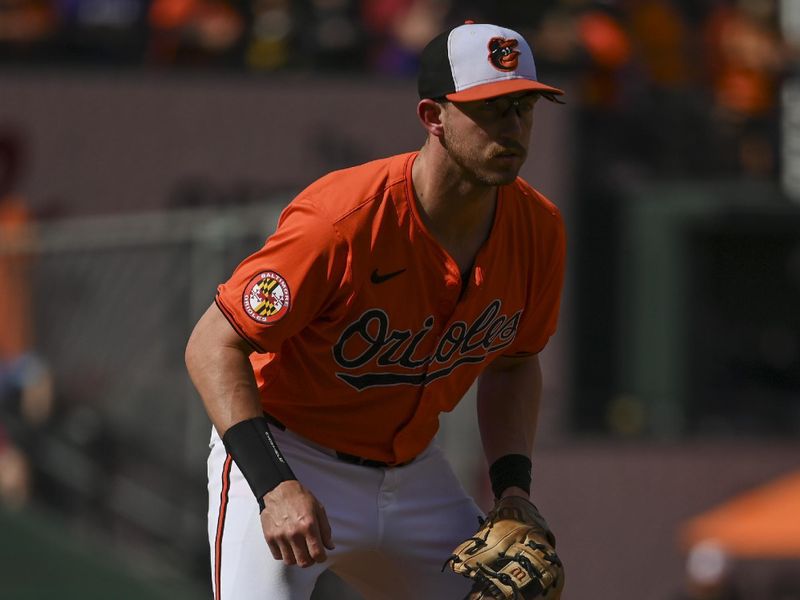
column 504, row 168
column 499, row 176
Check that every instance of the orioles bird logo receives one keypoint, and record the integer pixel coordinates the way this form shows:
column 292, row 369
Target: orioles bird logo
column 503, row 54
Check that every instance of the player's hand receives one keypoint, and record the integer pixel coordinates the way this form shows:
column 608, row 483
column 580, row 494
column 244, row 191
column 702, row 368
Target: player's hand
column 295, row 525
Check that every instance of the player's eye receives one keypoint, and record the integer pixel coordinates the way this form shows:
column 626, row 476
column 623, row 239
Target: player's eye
column 501, row 105
column 491, row 105
column 526, row 103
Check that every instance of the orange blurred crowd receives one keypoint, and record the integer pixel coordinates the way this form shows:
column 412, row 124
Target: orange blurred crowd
column 714, row 64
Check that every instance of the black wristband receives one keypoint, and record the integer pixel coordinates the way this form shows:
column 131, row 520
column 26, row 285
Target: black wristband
column 257, row 455
column 510, row 470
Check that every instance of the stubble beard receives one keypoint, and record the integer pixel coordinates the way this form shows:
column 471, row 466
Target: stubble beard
column 475, row 165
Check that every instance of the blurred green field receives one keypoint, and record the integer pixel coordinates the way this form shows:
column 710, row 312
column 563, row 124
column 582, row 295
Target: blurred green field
column 41, row 559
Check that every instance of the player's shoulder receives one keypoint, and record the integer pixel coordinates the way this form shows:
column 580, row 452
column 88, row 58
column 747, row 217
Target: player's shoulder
column 340, row 193
column 544, row 228
column 529, row 200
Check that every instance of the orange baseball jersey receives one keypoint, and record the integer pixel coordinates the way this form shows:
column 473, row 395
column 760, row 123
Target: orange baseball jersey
column 361, row 331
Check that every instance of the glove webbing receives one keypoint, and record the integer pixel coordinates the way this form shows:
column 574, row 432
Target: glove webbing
column 487, row 578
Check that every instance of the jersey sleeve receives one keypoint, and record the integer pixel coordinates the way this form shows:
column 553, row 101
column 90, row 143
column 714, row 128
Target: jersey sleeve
column 279, row 289
column 540, row 317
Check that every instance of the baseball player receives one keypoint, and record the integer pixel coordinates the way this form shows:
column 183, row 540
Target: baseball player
column 327, row 357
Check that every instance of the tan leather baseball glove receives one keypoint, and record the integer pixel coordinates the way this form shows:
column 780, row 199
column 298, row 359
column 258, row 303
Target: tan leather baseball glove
column 512, row 555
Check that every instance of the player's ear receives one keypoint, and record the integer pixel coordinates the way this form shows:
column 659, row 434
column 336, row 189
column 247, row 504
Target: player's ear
column 430, row 115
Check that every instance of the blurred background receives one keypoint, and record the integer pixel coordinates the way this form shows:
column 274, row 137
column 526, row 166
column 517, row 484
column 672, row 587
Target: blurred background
column 146, row 146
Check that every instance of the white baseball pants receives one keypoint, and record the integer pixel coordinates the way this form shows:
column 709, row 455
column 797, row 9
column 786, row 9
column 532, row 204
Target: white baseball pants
column 393, row 528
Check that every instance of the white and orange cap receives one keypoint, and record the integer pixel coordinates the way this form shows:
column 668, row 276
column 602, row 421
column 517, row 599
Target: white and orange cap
column 476, row 61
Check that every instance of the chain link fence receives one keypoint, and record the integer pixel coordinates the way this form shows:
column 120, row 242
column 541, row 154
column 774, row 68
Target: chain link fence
column 120, row 448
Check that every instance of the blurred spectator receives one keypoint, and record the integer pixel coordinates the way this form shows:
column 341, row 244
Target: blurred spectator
column 15, row 474
column 746, row 60
column 26, row 28
column 332, row 36
column 270, row 44
column 15, row 294
column 587, row 39
column 661, row 43
column 15, row 335
column 105, row 31
column 608, row 47
column 320, row 34
column 25, row 383
column 668, row 100
column 194, row 32
column 746, row 57
column 557, row 41
column 589, row 42
column 399, row 29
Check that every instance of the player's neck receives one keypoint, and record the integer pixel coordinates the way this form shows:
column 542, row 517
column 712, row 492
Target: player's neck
column 458, row 215
column 450, row 205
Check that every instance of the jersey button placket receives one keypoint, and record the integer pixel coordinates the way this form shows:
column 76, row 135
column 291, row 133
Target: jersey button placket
column 452, row 285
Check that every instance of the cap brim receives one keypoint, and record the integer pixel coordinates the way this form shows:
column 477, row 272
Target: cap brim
column 501, row 88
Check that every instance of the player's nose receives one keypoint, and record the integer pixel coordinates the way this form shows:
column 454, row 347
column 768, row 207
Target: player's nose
column 514, row 126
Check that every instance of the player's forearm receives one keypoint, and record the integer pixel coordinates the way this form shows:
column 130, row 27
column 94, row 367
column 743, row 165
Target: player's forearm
column 220, row 370
column 509, row 394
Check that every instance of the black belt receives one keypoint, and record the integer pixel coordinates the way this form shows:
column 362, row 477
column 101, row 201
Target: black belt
column 366, row 462
column 343, row 456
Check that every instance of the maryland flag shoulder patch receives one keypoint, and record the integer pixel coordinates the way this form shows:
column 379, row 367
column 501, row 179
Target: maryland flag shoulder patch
column 266, row 297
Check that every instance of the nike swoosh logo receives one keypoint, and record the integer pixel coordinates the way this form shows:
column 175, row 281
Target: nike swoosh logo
column 377, row 278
